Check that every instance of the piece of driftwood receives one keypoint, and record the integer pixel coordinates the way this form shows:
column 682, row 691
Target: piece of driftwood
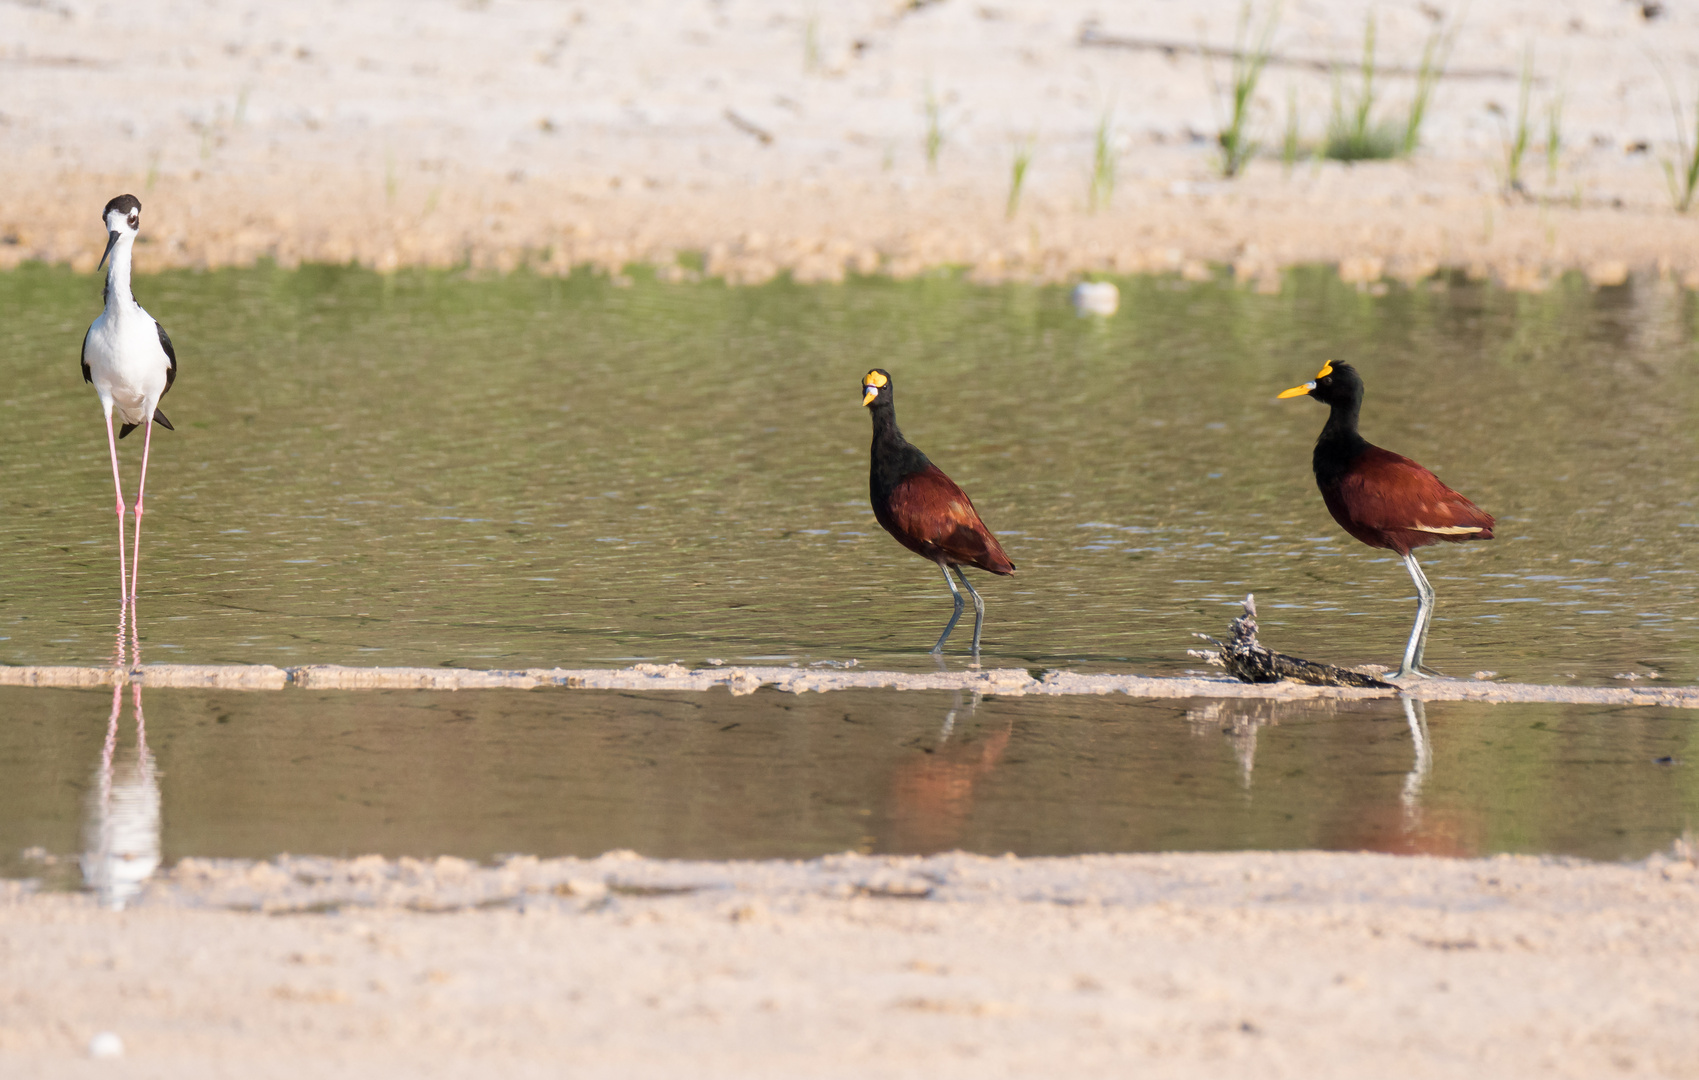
column 749, row 127
column 1248, row 661
column 1091, row 36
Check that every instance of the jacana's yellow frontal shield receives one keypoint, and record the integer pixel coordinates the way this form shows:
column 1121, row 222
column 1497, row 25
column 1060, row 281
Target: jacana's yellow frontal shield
column 1300, row 391
column 871, row 386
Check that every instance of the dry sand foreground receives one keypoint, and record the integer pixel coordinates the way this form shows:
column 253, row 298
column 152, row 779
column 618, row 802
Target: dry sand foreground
column 1244, row 965
column 793, row 136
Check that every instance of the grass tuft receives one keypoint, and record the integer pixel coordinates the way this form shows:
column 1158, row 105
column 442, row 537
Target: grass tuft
column 1249, row 59
column 811, row 43
column 1017, row 175
column 1436, row 52
column 1554, row 137
column 1516, row 140
column 1289, row 144
column 1102, row 165
column 1353, row 134
column 934, row 128
column 1682, row 175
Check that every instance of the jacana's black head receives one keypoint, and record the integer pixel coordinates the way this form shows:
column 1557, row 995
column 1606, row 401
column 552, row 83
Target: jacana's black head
column 1335, row 384
column 876, row 388
column 122, row 217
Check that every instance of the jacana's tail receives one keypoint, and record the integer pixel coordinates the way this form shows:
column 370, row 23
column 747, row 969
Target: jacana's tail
column 993, row 558
column 158, row 418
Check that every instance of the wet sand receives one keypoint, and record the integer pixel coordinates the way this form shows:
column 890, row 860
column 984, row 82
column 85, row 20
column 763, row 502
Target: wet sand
column 869, row 137
column 738, row 680
column 1311, row 965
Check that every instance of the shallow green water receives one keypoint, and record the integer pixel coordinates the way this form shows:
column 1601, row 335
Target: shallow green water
column 423, row 469
column 778, row 775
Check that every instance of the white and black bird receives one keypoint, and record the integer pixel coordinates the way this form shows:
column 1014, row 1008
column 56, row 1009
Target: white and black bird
column 130, row 361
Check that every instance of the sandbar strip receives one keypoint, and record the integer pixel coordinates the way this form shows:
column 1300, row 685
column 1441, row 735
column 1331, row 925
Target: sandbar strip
column 1010, row 682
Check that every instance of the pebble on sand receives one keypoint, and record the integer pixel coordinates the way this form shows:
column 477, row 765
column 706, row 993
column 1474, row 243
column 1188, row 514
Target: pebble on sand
column 107, row 1044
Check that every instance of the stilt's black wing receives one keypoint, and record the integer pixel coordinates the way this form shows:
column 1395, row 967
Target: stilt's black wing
column 170, row 377
column 170, row 354
column 86, row 376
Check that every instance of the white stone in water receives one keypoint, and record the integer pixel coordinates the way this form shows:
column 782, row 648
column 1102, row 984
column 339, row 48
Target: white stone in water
column 107, row 1044
column 1096, row 298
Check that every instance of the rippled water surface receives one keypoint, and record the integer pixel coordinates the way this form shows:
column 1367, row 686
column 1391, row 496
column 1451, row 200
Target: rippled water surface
column 425, row 469
column 706, row 775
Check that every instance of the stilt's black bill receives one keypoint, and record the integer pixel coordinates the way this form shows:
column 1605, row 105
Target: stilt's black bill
column 111, row 238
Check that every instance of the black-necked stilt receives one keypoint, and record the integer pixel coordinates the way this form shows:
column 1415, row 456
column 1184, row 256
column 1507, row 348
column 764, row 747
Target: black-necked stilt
column 130, row 361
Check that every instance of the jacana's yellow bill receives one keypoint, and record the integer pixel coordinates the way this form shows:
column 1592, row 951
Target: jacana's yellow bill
column 1300, row 391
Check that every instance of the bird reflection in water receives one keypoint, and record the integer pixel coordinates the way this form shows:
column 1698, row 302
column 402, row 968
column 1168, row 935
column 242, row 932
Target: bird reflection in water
column 121, row 833
column 1241, row 720
column 1366, row 823
column 1416, row 714
column 932, row 794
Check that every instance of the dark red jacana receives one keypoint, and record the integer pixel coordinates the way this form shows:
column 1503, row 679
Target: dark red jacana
column 1384, row 499
column 924, row 509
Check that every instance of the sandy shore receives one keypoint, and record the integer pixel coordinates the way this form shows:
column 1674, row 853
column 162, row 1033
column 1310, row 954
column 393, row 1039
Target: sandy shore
column 782, row 137
column 1300, row 965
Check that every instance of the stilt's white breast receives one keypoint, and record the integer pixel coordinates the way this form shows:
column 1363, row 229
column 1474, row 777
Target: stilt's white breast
column 126, row 362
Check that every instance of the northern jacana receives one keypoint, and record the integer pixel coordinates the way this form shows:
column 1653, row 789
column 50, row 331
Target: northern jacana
column 1384, row 499
column 924, row 509
column 130, row 361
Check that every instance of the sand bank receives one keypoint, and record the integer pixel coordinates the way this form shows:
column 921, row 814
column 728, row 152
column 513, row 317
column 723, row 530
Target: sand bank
column 872, row 136
column 1009, row 682
column 1301, row 965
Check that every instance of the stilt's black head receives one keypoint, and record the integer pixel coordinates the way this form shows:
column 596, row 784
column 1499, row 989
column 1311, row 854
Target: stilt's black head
column 1335, row 384
column 127, row 206
column 876, row 388
column 122, row 216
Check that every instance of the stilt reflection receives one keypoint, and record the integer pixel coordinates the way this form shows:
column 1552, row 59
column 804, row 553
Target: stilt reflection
column 121, row 831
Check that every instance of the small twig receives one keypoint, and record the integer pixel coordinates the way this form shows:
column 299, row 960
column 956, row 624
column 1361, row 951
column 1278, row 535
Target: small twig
column 749, row 128
column 1091, row 36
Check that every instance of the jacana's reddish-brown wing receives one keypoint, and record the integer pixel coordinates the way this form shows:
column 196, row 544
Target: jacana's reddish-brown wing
column 933, row 517
column 1387, row 500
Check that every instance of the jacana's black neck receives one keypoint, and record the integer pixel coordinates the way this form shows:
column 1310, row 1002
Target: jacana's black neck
column 894, row 457
column 1339, row 444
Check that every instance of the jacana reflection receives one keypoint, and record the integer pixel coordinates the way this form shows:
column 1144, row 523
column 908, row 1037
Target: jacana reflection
column 1365, row 818
column 121, row 832
column 932, row 792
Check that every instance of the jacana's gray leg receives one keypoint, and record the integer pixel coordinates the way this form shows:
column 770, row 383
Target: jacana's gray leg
column 1418, row 642
column 978, row 611
column 950, row 719
column 951, row 625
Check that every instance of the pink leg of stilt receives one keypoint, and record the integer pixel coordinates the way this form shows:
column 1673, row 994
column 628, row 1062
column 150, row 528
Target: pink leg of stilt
column 118, row 653
column 118, row 487
column 141, row 493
